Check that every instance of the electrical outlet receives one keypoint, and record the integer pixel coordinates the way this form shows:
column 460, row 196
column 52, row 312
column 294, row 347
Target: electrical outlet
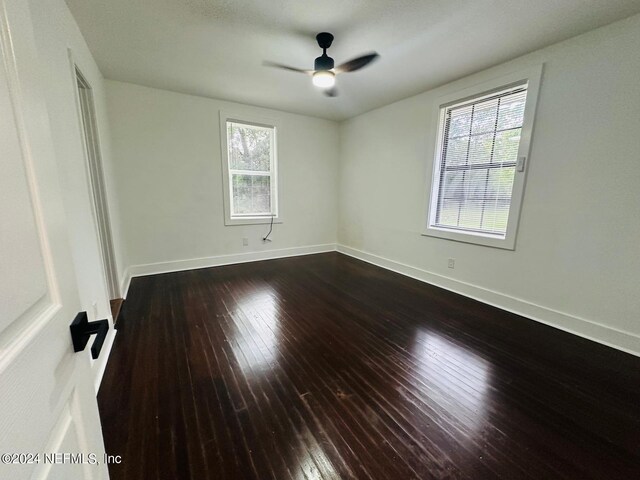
column 245, row 242
column 452, row 263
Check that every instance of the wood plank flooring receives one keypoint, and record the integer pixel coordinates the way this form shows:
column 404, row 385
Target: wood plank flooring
column 116, row 306
column 325, row 367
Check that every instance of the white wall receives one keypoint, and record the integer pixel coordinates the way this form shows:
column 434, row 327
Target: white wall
column 166, row 148
column 56, row 32
column 577, row 258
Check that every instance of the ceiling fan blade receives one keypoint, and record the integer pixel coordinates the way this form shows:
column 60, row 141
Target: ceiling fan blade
column 286, row 67
column 331, row 92
column 356, row 63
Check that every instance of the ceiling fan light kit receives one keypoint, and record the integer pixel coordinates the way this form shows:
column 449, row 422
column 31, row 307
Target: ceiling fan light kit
column 324, row 79
column 324, row 73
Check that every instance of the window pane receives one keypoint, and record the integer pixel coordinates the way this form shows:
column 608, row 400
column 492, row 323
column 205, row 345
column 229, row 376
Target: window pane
column 511, row 112
column 456, row 151
column 484, row 117
column 498, row 199
column 506, row 146
column 481, row 148
column 452, row 185
column 463, row 184
column 249, row 147
column 500, row 182
column 449, row 212
column 460, row 122
column 251, row 194
column 471, row 214
column 495, row 219
column 474, row 184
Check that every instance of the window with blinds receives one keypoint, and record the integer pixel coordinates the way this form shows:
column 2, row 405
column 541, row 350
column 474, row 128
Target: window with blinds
column 477, row 161
column 480, row 159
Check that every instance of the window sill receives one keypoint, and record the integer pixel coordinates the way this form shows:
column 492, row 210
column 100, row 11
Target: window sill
column 475, row 239
column 251, row 221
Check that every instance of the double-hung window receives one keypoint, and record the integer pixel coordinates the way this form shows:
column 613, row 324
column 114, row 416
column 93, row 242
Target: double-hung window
column 250, row 171
column 480, row 162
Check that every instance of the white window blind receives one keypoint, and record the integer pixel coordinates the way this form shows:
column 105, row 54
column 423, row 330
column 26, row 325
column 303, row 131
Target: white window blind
column 479, row 143
column 251, row 169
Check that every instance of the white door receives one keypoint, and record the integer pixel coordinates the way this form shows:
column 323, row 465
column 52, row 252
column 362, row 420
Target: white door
column 47, row 399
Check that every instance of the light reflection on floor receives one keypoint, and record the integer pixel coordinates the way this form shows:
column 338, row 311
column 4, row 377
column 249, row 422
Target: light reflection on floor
column 455, row 377
column 258, row 313
column 256, row 319
column 308, row 466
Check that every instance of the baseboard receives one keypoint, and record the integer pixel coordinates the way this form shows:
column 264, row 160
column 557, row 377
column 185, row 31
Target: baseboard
column 104, row 358
column 206, row 262
column 621, row 340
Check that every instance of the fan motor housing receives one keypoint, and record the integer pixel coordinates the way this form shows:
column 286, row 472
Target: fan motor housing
column 323, row 62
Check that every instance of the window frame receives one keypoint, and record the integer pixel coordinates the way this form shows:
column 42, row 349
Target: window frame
column 529, row 76
column 227, row 171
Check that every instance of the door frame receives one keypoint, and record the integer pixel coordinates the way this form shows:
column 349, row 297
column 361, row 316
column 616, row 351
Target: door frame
column 88, row 130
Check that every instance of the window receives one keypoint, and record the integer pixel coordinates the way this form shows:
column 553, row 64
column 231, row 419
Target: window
column 250, row 170
column 480, row 163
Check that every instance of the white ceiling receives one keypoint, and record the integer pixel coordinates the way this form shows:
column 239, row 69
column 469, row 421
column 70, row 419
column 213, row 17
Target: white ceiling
column 215, row 48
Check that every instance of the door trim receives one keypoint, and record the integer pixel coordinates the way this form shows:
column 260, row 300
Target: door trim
column 94, row 172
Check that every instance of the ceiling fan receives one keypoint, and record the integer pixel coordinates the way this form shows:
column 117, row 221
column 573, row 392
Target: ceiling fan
column 324, row 72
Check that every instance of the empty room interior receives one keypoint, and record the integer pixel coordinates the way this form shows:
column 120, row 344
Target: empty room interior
column 302, row 240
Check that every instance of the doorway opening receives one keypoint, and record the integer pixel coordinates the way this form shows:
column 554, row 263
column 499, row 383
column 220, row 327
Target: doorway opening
column 98, row 189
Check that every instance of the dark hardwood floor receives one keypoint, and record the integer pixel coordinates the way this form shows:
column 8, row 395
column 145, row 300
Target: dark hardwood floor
column 116, row 306
column 326, row 367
